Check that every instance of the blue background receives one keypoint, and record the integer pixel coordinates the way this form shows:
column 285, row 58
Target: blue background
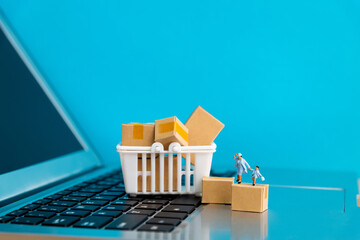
column 283, row 76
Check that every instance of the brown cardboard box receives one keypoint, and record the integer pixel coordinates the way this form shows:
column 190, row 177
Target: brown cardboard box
column 217, row 190
column 203, row 128
column 157, row 174
column 249, row 198
column 170, row 130
column 134, row 134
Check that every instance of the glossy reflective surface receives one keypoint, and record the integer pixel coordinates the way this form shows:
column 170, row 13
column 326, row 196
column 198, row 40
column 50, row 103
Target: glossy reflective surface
column 326, row 211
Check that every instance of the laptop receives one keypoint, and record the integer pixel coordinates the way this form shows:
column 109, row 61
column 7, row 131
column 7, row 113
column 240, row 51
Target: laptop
column 53, row 185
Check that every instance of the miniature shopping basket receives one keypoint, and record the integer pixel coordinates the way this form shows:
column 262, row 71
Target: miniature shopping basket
column 188, row 177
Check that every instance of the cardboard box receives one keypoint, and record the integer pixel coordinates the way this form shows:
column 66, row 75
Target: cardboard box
column 170, row 130
column 217, row 190
column 134, row 134
column 203, row 128
column 157, row 174
column 249, row 198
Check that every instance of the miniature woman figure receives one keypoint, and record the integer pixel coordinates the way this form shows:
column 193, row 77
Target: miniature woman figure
column 241, row 166
column 256, row 174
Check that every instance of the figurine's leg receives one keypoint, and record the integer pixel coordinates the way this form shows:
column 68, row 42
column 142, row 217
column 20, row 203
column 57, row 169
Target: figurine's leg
column 239, row 178
column 254, row 180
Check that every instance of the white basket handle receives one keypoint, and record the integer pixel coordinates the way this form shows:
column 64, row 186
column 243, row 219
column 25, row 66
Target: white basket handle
column 174, row 147
column 157, row 147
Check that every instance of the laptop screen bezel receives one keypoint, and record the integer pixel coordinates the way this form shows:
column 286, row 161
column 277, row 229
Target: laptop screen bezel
column 44, row 173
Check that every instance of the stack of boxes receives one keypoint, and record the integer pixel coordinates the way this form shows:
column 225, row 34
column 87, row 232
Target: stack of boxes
column 242, row 197
column 200, row 129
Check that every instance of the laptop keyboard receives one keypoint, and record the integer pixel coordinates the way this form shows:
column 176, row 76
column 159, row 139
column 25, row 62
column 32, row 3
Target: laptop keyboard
column 102, row 203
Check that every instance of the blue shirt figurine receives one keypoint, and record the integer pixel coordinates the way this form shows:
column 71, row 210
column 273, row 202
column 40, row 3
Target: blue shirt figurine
column 256, row 174
column 241, row 166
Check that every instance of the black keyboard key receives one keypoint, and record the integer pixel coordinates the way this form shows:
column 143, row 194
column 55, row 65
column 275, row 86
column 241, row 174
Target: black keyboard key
column 149, row 206
column 106, row 183
column 61, row 221
column 42, row 201
column 164, row 197
column 122, row 208
column 116, row 194
column 63, row 204
column 142, row 212
column 72, row 189
column 81, row 185
column 107, row 198
column 40, row 214
column 95, row 202
column 164, row 221
column 187, row 200
column 101, row 188
column 156, row 201
column 64, row 193
column 156, row 228
column 82, row 194
column 171, row 215
column 17, row 213
column 109, row 213
column 179, row 208
column 91, row 181
column 125, row 202
column 28, row 220
column 95, row 186
column 127, row 197
column 5, row 219
column 56, row 209
column 74, row 199
column 54, row 197
column 93, row 222
column 76, row 213
column 116, row 189
column 30, row 207
column 86, row 207
column 91, row 190
column 127, row 222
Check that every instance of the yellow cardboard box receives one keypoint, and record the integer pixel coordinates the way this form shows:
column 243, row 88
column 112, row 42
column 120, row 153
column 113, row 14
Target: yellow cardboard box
column 249, row 198
column 134, row 134
column 157, row 174
column 203, row 128
column 170, row 130
column 217, row 190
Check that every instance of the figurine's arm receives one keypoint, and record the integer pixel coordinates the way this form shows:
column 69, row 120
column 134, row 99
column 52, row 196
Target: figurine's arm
column 248, row 166
column 262, row 177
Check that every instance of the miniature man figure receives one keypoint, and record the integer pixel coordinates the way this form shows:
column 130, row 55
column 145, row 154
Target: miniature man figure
column 256, row 174
column 241, row 166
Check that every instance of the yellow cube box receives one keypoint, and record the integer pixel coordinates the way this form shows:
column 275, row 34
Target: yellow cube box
column 170, row 130
column 134, row 134
column 217, row 190
column 249, row 198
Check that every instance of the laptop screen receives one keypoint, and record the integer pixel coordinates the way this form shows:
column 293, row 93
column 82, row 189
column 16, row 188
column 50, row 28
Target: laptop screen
column 31, row 129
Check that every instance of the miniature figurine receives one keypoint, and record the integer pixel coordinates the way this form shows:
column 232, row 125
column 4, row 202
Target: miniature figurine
column 256, row 174
column 241, row 166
